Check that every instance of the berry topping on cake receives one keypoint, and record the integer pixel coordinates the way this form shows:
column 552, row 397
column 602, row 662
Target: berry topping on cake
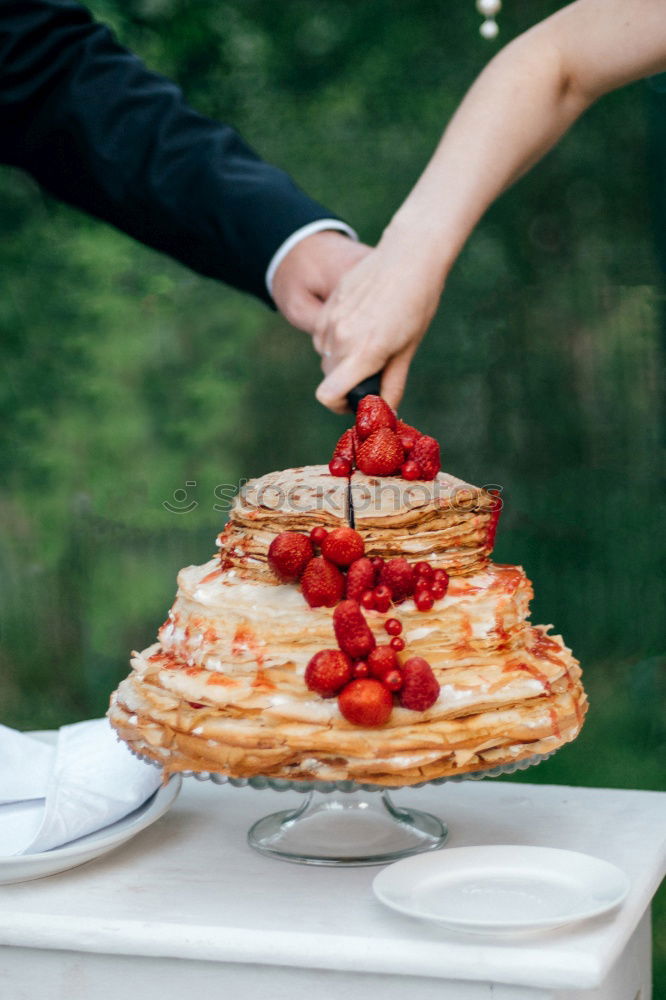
column 426, row 454
column 399, row 576
column 360, row 578
column 346, row 446
column 361, row 669
column 328, row 671
column 381, row 454
column 343, row 546
column 372, row 414
column 382, row 596
column 393, row 626
column 352, row 631
column 420, row 689
column 424, row 569
column 410, row 470
column 397, row 643
column 368, row 600
column 318, row 534
column 289, row 553
column 423, row 600
column 408, row 435
column 382, row 660
column 322, row 583
column 366, row 702
column 393, row 680
column 381, row 445
column 341, row 467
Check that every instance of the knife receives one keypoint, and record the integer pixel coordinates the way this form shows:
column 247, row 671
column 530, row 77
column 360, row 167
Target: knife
column 368, row 387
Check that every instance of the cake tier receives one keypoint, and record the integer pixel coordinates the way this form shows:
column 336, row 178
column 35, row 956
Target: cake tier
column 280, row 501
column 446, row 521
column 223, row 690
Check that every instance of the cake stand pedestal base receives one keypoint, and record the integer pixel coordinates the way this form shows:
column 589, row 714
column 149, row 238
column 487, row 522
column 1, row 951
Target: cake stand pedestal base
column 347, row 828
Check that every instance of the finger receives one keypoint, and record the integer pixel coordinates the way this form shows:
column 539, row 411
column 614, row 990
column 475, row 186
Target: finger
column 394, row 377
column 332, row 392
column 304, row 312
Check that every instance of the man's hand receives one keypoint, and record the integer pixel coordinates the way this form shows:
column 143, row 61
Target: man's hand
column 308, row 274
column 375, row 320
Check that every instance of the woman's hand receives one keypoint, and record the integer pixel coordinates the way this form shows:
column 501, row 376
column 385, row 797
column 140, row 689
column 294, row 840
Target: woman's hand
column 376, row 318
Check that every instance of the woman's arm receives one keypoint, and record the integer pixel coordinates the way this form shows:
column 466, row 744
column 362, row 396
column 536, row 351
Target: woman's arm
column 517, row 109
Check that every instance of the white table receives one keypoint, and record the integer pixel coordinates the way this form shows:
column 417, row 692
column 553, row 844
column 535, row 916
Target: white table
column 186, row 909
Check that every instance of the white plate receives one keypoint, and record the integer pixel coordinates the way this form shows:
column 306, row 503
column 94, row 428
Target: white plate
column 23, row 867
column 502, row 889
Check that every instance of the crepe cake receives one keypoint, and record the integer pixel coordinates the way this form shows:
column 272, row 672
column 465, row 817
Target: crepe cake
column 223, row 689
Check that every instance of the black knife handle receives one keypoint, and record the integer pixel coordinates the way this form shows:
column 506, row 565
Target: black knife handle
column 369, row 387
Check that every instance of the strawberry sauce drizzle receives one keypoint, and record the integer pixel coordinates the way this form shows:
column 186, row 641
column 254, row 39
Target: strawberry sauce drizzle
column 529, row 669
column 556, row 726
column 213, row 575
column 244, row 638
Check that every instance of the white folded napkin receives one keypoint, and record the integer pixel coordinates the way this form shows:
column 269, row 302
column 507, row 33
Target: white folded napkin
column 50, row 795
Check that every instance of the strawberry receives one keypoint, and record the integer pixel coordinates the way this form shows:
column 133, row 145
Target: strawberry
column 420, row 688
column 381, row 454
column 399, row 577
column 410, row 470
column 372, row 414
column 322, row 583
column 328, row 671
column 342, row 546
column 346, row 446
column 426, row 454
column 381, row 660
column 289, row 553
column 408, row 435
column 352, row 631
column 340, row 467
column 360, row 577
column 365, row 702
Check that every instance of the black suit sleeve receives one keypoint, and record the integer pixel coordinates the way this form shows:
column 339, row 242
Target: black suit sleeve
column 95, row 128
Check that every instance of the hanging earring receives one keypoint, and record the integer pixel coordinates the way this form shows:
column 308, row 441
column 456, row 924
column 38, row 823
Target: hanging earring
column 489, row 9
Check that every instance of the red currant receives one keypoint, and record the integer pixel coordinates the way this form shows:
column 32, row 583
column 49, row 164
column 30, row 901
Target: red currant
column 422, row 583
column 340, row 467
column 393, row 626
column 382, row 598
column 437, row 589
column 397, row 644
column 411, row 470
column 361, row 669
column 424, row 569
column 423, row 600
column 442, row 576
column 368, row 600
column 393, row 680
column 318, row 534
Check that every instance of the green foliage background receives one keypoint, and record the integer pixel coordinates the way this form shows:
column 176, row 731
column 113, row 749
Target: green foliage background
column 125, row 376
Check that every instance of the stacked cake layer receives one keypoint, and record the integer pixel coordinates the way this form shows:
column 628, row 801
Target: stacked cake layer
column 223, row 690
column 445, row 521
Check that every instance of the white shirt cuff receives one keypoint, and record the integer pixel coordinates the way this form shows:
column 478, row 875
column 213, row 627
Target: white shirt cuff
column 301, row 234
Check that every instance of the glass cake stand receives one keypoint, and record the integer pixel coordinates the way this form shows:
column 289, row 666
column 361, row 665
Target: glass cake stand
column 348, row 824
